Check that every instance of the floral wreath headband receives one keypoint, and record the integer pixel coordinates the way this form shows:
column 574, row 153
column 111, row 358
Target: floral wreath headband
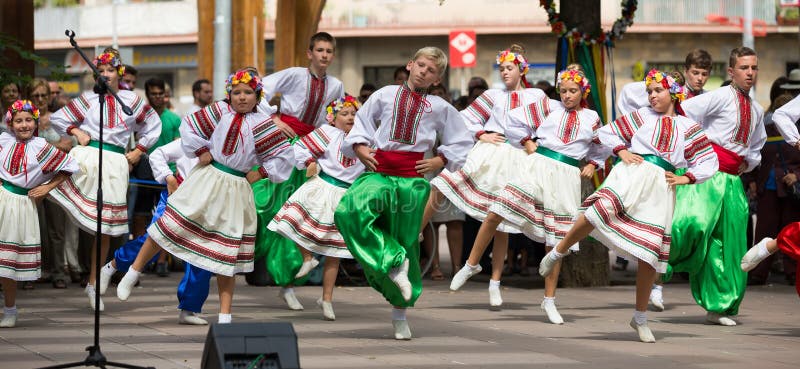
column 337, row 105
column 110, row 59
column 574, row 76
column 510, row 56
column 676, row 91
column 19, row 106
column 247, row 77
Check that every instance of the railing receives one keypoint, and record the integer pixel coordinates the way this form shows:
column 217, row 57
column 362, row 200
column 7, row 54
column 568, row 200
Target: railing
column 696, row 11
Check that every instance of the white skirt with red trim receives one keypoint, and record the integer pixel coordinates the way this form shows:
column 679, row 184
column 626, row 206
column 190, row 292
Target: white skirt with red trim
column 20, row 242
column 474, row 187
column 78, row 194
column 210, row 222
column 307, row 219
column 632, row 213
column 542, row 199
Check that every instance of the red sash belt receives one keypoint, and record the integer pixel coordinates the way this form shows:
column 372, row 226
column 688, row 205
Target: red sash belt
column 398, row 163
column 298, row 126
column 178, row 178
column 729, row 161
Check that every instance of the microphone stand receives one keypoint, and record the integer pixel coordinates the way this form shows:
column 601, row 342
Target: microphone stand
column 96, row 357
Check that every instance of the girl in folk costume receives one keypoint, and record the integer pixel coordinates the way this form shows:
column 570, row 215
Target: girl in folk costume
column 307, row 217
column 27, row 163
column 379, row 215
column 544, row 197
column 81, row 118
column 492, row 161
column 304, row 95
column 632, row 211
column 210, row 220
column 132, row 257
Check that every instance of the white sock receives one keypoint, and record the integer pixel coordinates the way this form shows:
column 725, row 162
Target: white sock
column 658, row 287
column 10, row 310
column 762, row 250
column 109, row 269
column 640, row 317
column 287, row 290
column 134, row 272
column 549, row 300
column 555, row 255
column 398, row 314
column 494, row 284
column 224, row 318
column 473, row 267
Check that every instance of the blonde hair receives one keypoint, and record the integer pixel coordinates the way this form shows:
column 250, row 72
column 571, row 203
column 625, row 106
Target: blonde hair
column 436, row 54
column 517, row 49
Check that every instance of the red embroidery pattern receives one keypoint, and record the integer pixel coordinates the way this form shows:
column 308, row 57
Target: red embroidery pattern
column 663, row 138
column 514, row 100
column 232, row 137
column 570, row 128
column 316, row 93
column 50, row 158
column 408, row 108
column 742, row 134
column 18, row 164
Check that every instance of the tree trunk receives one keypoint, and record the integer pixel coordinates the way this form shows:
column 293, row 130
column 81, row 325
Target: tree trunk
column 588, row 267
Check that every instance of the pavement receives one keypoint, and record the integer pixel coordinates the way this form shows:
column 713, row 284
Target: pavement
column 451, row 329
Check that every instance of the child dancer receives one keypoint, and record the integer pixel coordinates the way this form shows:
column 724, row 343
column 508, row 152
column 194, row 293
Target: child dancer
column 307, row 217
column 632, row 212
column 379, row 215
column 210, row 220
column 193, row 288
column 81, row 118
column 28, row 162
column 542, row 200
column 490, row 163
column 304, row 95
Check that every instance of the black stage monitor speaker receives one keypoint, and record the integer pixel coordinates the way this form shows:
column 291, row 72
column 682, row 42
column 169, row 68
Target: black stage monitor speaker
column 251, row 346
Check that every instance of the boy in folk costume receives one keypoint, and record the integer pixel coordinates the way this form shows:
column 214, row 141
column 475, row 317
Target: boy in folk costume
column 632, row 211
column 543, row 198
column 30, row 169
column 307, row 217
column 210, row 220
column 305, row 92
column 81, row 118
column 379, row 215
column 490, row 163
column 709, row 237
column 132, row 257
column 788, row 239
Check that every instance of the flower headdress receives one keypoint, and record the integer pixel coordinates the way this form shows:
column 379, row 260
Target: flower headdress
column 676, row 91
column 247, row 77
column 110, row 59
column 510, row 56
column 22, row 105
column 337, row 105
column 577, row 77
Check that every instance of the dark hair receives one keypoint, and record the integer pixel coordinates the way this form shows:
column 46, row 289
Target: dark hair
column 678, row 77
column 476, row 82
column 368, row 87
column 321, row 36
column 738, row 53
column 775, row 91
column 154, row 82
column 198, row 85
column 400, row 70
column 699, row 58
column 129, row 69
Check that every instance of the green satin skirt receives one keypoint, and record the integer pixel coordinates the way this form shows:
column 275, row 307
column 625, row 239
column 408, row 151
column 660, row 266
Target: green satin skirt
column 283, row 258
column 709, row 239
column 379, row 218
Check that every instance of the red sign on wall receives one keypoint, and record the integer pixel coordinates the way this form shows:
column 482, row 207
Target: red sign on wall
column 462, row 49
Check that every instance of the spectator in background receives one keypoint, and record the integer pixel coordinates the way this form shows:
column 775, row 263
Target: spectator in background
column 203, row 95
column 475, row 87
column 400, row 75
column 548, row 89
column 366, row 90
column 9, row 93
column 128, row 81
